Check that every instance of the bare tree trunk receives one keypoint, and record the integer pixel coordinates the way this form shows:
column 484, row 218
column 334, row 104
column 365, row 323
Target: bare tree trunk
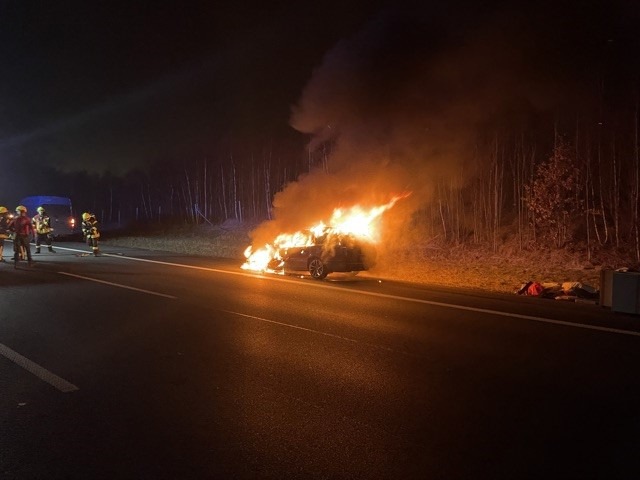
column 205, row 193
column 190, row 209
column 616, row 196
column 457, row 195
column 172, row 190
column 197, row 195
column 254, row 207
column 586, row 178
column 498, row 194
column 267, row 186
column 514, row 164
column 592, row 207
column 636, row 192
column 476, row 213
column 441, row 211
column 444, row 223
column 144, row 203
column 182, row 203
column 224, row 193
column 600, row 172
column 532, row 214
column 111, row 202
column 235, row 190
column 150, row 203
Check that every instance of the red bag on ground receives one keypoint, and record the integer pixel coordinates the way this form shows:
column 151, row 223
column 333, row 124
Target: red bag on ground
column 535, row 289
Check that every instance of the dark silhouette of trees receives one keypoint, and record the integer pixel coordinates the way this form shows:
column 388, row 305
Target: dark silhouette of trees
column 527, row 187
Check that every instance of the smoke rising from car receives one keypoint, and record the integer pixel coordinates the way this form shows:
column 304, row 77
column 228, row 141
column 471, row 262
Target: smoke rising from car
column 408, row 104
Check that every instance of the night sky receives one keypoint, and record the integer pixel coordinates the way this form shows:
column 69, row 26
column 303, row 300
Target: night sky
column 108, row 85
column 95, row 85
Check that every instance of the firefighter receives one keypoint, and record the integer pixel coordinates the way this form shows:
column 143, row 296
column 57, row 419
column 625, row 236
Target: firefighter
column 42, row 227
column 90, row 231
column 4, row 229
column 22, row 228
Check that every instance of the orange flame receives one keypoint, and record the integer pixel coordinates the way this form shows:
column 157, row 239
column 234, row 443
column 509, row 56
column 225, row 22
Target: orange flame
column 357, row 221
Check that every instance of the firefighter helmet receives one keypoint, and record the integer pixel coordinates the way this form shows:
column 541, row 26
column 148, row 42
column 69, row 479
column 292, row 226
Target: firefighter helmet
column 40, row 209
column 86, row 216
column 3, row 210
column 21, row 208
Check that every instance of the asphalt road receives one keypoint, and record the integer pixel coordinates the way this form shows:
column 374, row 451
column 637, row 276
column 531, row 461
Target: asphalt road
column 144, row 365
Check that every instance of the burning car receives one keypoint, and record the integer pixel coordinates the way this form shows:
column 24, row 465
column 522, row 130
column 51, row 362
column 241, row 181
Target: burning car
column 324, row 253
column 347, row 246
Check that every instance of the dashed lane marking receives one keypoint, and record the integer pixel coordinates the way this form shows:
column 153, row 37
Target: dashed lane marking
column 40, row 372
column 119, row 285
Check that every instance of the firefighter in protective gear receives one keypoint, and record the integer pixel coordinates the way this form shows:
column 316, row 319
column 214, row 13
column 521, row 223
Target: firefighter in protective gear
column 22, row 228
column 42, row 227
column 90, row 231
column 4, row 229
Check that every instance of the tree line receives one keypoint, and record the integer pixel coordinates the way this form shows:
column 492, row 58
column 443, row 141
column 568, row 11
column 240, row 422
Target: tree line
column 572, row 186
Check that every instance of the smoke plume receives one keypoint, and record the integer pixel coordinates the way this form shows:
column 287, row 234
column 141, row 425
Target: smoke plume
column 402, row 104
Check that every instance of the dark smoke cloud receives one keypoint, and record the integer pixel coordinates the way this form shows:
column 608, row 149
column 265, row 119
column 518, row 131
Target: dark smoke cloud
column 402, row 104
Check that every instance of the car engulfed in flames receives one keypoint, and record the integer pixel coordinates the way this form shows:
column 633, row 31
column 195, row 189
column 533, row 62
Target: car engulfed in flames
column 348, row 245
column 328, row 252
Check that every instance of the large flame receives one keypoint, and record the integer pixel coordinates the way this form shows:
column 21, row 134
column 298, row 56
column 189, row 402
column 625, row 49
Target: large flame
column 358, row 221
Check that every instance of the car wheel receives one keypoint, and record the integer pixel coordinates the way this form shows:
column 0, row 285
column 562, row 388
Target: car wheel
column 317, row 269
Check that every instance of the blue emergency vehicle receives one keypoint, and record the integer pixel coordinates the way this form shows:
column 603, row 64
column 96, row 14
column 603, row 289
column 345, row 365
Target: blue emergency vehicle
column 59, row 209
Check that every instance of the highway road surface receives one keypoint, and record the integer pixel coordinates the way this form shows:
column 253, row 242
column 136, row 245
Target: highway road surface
column 151, row 365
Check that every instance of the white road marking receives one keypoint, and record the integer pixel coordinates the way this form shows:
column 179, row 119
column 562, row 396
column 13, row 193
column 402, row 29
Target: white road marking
column 297, row 327
column 507, row 314
column 40, row 372
column 150, row 292
column 394, row 297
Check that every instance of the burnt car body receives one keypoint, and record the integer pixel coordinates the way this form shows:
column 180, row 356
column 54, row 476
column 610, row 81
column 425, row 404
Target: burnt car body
column 327, row 253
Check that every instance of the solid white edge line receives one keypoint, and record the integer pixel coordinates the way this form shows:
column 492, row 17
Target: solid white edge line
column 150, row 292
column 507, row 314
column 395, row 297
column 40, row 372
